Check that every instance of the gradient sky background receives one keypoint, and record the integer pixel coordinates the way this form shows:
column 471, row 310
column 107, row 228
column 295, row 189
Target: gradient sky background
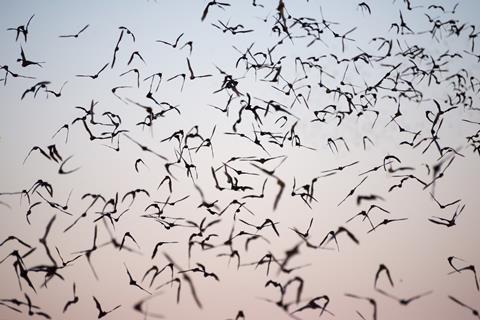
column 415, row 250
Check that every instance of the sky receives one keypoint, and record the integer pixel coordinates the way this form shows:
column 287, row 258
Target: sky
column 415, row 250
